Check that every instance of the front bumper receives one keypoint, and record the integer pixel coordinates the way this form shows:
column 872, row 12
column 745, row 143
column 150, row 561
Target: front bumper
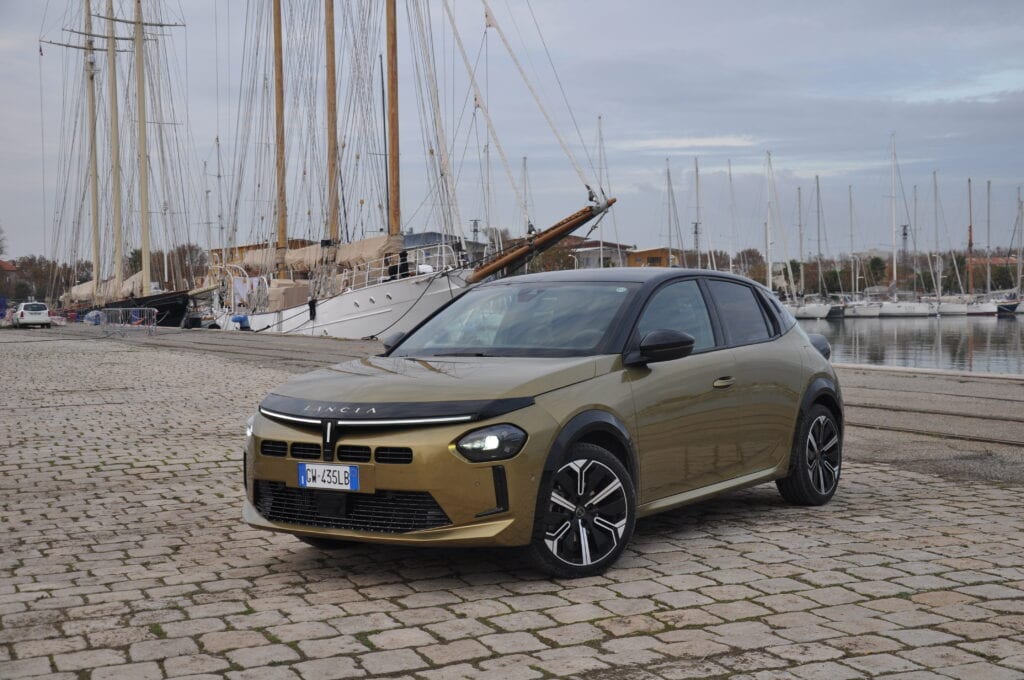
column 486, row 533
column 439, row 498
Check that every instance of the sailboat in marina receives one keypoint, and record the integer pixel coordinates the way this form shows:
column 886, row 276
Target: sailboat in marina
column 812, row 306
column 1018, row 294
column 945, row 305
column 987, row 304
column 857, row 306
column 377, row 285
column 115, row 290
column 981, row 305
column 895, row 306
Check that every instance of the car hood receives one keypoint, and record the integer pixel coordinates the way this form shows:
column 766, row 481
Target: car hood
column 384, row 387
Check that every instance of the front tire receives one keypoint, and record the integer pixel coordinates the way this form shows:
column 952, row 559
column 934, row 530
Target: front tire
column 586, row 513
column 816, row 459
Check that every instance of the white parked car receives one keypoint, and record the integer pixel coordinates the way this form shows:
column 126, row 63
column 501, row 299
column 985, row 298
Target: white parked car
column 31, row 314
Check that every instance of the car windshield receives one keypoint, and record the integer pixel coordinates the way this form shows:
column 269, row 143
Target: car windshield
column 35, row 307
column 540, row 319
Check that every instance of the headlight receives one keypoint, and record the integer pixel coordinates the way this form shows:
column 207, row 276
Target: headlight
column 497, row 442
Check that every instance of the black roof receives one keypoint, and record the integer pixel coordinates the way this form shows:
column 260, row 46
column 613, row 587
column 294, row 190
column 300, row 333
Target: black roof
column 612, row 274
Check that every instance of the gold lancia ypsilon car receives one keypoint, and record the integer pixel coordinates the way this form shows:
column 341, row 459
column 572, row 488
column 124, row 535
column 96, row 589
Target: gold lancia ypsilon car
column 551, row 411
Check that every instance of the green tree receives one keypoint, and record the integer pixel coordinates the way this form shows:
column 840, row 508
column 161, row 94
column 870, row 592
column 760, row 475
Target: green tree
column 875, row 272
column 750, row 263
column 721, row 259
column 954, row 277
column 553, row 259
column 832, row 282
column 134, row 262
column 1002, row 277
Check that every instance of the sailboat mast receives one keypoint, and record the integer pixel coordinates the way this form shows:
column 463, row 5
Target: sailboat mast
column 893, row 206
column 935, row 217
column 817, row 198
column 988, row 237
column 526, row 199
column 696, row 225
column 395, row 203
column 600, row 182
column 94, row 190
column 732, row 219
column 671, row 202
column 800, row 232
column 115, row 150
column 333, row 208
column 970, row 239
column 853, row 258
column 140, row 105
column 768, row 227
column 913, row 239
column 282, row 202
column 1020, row 245
column 206, row 210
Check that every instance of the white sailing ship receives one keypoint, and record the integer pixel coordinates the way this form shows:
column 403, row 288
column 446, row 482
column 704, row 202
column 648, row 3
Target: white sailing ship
column 375, row 286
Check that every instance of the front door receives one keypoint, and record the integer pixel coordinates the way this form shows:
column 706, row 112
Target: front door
column 685, row 409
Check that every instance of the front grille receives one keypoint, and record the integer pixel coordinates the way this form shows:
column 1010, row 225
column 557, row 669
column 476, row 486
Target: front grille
column 273, row 448
column 354, row 454
column 306, row 451
column 386, row 512
column 392, row 455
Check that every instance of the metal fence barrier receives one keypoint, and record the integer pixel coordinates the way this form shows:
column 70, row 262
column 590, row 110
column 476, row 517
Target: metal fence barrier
column 122, row 320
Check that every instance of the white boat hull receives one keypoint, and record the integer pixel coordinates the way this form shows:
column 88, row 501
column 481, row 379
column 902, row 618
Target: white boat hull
column 952, row 308
column 810, row 311
column 982, row 309
column 907, row 309
column 372, row 312
column 864, row 310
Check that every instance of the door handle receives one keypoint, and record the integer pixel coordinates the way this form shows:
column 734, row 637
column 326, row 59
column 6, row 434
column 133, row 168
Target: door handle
column 724, row 382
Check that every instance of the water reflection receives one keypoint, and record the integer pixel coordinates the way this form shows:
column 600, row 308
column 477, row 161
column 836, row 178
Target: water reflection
column 985, row 344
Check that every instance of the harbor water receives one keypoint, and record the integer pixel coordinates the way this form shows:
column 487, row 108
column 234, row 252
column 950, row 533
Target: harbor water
column 960, row 343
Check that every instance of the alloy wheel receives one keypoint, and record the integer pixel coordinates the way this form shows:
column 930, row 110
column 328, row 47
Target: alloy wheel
column 823, row 454
column 587, row 513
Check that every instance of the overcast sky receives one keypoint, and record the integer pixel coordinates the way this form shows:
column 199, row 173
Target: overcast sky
column 822, row 86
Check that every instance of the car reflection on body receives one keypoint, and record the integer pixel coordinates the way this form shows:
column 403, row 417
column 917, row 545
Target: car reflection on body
column 551, row 411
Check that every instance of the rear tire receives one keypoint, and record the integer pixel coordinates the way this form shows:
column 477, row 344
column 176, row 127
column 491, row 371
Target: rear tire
column 816, row 460
column 586, row 513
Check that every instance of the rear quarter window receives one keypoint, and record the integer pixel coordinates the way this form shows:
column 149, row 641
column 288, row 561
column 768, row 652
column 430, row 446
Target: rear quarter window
column 740, row 312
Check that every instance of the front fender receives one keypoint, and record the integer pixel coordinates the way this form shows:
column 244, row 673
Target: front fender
column 595, row 425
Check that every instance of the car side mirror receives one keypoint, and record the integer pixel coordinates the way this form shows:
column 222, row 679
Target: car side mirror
column 392, row 341
column 661, row 344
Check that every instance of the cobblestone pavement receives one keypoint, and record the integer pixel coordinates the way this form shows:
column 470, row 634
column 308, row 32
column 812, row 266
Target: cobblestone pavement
column 122, row 555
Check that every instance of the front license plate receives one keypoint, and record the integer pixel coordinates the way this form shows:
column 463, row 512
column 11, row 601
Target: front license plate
column 338, row 477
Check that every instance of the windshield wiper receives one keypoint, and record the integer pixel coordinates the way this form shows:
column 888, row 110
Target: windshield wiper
column 461, row 354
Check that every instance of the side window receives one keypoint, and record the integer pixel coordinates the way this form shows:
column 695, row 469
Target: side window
column 739, row 312
column 679, row 306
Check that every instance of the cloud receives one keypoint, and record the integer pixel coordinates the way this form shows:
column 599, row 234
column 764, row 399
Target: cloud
column 984, row 88
column 668, row 144
column 821, row 85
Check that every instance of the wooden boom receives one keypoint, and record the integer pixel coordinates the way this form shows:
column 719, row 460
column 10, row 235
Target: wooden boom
column 540, row 242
